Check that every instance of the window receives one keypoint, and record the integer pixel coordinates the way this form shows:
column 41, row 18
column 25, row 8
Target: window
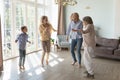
column 32, row 0
column 40, row 1
column 7, row 47
column 40, row 13
column 25, row 12
column 31, row 28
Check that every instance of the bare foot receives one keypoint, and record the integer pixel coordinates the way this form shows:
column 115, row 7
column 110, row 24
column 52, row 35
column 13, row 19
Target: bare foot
column 79, row 66
column 20, row 67
column 23, row 67
column 47, row 62
column 74, row 63
column 42, row 65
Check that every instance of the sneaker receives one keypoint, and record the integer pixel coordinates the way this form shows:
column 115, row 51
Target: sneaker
column 90, row 76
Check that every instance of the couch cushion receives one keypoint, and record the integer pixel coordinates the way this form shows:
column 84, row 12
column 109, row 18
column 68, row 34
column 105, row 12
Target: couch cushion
column 119, row 46
column 62, row 37
column 104, row 50
column 117, row 52
column 113, row 43
column 65, row 43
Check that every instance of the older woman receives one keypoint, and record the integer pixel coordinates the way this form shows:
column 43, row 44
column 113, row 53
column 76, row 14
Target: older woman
column 76, row 36
column 89, row 44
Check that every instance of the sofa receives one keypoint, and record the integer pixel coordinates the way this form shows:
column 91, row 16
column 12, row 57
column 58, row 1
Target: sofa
column 107, row 48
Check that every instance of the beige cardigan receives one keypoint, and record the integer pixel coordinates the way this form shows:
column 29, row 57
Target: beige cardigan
column 89, row 36
column 45, row 32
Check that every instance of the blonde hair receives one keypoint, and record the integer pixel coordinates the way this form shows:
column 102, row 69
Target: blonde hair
column 76, row 15
column 71, row 17
column 44, row 17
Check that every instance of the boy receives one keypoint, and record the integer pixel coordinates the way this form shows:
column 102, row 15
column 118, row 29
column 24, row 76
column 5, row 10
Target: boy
column 22, row 39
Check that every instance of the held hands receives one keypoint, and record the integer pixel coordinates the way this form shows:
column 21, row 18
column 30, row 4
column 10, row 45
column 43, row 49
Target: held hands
column 29, row 42
column 81, row 31
column 74, row 30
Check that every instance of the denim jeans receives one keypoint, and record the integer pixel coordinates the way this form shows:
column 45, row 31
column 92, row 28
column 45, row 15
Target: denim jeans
column 22, row 54
column 76, row 43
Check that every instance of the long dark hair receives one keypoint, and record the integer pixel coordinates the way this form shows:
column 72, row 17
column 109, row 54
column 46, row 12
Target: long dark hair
column 88, row 19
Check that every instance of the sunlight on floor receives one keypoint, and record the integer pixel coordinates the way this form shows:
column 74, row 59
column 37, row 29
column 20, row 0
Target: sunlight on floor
column 60, row 59
column 8, row 71
column 30, row 74
column 53, row 63
column 39, row 71
column 56, row 60
column 32, row 63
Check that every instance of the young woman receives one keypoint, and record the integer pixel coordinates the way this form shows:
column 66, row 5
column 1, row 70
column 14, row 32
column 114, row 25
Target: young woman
column 45, row 33
column 76, row 36
column 89, row 44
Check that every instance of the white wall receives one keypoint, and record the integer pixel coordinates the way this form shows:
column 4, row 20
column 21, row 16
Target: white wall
column 102, row 12
column 117, row 18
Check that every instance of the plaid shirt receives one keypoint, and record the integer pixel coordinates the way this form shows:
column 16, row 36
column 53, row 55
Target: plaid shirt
column 78, row 25
column 22, row 39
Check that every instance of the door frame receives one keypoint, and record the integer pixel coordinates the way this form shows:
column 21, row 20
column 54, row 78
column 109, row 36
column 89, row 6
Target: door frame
column 1, row 57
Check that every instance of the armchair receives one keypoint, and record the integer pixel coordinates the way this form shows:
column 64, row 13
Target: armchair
column 62, row 42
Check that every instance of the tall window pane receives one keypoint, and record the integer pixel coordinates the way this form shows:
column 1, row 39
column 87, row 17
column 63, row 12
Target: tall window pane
column 40, row 13
column 20, row 17
column 31, row 0
column 31, row 28
column 40, row 1
column 20, row 21
column 7, row 47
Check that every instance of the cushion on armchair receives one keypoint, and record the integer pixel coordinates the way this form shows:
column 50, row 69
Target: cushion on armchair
column 62, row 41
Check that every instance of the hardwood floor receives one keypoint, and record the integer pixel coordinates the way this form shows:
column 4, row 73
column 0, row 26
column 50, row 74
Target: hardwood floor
column 59, row 68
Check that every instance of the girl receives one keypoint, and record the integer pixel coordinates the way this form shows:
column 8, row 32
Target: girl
column 45, row 33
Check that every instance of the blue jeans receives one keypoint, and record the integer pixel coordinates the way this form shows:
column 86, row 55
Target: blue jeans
column 78, row 43
column 22, row 54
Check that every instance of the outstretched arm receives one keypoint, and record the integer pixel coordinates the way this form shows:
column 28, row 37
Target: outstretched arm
column 53, row 28
column 17, row 39
column 28, row 40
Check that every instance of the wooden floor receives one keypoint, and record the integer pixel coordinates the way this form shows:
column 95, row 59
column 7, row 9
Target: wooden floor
column 59, row 68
